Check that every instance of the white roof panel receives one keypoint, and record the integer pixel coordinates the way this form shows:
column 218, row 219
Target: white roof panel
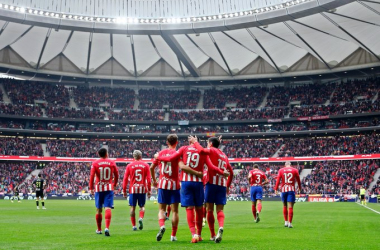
column 192, row 51
column 122, row 51
column 30, row 45
column 146, row 55
column 167, row 53
column 77, row 49
column 100, row 50
column 11, row 33
column 54, row 45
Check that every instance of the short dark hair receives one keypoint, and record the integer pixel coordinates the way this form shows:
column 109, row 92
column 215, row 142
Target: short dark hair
column 214, row 141
column 172, row 139
column 255, row 166
column 102, row 152
column 39, row 175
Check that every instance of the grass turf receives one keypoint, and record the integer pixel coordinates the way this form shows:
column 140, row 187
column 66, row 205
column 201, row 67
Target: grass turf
column 71, row 224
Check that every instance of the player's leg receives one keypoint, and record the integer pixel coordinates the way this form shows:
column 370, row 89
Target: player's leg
column 37, row 200
column 209, row 199
column 284, row 198
column 187, row 200
column 42, row 201
column 220, row 202
column 199, row 200
column 142, row 200
column 253, row 199
column 291, row 201
column 259, row 197
column 168, row 210
column 11, row 199
column 161, row 213
column 108, row 203
column 175, row 221
column 99, row 200
column 204, row 215
column 132, row 204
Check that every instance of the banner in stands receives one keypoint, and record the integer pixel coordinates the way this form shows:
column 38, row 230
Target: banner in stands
column 313, row 118
column 232, row 160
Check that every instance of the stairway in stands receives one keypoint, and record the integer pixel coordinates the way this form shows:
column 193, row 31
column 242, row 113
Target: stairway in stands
column 376, row 177
column 201, row 100
column 6, row 99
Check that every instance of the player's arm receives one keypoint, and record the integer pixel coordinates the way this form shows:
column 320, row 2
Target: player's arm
column 116, row 177
column 125, row 182
column 92, row 177
column 152, row 174
column 298, row 181
column 230, row 178
column 277, row 181
column 201, row 149
column 211, row 167
column 148, row 180
column 266, row 181
column 173, row 157
column 189, row 170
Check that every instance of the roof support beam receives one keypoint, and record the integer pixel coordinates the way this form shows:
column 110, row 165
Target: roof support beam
column 221, row 54
column 43, row 48
column 89, row 53
column 353, row 37
column 133, row 55
column 307, row 44
column 181, row 54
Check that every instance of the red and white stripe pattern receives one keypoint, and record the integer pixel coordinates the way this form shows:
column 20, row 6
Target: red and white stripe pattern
column 190, row 177
column 102, row 187
column 138, row 189
column 168, row 184
column 288, row 188
column 219, row 180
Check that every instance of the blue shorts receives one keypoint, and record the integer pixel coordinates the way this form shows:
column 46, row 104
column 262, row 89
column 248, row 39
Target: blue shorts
column 288, row 196
column 133, row 198
column 215, row 194
column 104, row 199
column 192, row 194
column 168, row 196
column 256, row 193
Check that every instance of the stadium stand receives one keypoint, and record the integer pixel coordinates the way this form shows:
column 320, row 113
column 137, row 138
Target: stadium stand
column 177, row 99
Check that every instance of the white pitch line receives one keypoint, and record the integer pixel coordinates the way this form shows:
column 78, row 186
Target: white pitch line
column 373, row 210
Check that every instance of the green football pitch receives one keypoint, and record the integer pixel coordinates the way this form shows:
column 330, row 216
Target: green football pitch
column 71, row 225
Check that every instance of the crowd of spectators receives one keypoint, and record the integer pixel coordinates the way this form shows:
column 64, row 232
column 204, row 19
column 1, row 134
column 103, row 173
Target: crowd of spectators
column 20, row 146
column 12, row 124
column 339, row 177
column 201, row 115
column 110, row 97
column 82, row 113
column 331, row 145
column 137, row 115
column 20, row 110
column 13, row 174
column 263, row 113
column 312, row 94
column 176, row 99
column 242, row 148
column 278, row 96
column 364, row 88
column 243, row 97
column 25, row 92
column 126, row 148
column 73, row 148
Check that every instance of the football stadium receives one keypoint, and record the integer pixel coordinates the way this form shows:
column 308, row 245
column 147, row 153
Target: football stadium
column 189, row 124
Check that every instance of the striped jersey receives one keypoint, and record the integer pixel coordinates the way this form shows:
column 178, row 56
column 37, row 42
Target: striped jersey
column 169, row 171
column 288, row 177
column 192, row 158
column 219, row 159
column 138, row 175
column 257, row 177
column 105, row 171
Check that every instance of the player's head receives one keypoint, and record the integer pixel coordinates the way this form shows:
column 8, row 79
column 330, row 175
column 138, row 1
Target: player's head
column 137, row 155
column 255, row 166
column 103, row 153
column 39, row 175
column 287, row 164
column 213, row 142
column 172, row 140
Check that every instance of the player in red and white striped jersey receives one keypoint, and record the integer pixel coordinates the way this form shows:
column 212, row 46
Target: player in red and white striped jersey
column 105, row 171
column 138, row 175
column 256, row 179
column 192, row 192
column 217, row 186
column 288, row 177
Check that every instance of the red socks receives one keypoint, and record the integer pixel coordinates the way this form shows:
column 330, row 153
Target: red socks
column 204, row 212
column 174, row 230
column 191, row 220
column 254, row 211
column 259, row 207
column 108, row 217
column 285, row 212
column 168, row 210
column 161, row 222
column 199, row 213
column 211, row 222
column 142, row 213
column 98, row 218
column 220, row 216
column 290, row 214
column 133, row 220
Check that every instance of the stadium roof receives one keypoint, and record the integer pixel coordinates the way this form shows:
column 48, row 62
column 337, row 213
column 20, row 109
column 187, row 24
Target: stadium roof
column 309, row 38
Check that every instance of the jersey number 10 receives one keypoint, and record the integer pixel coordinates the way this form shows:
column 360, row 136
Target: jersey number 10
column 105, row 173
